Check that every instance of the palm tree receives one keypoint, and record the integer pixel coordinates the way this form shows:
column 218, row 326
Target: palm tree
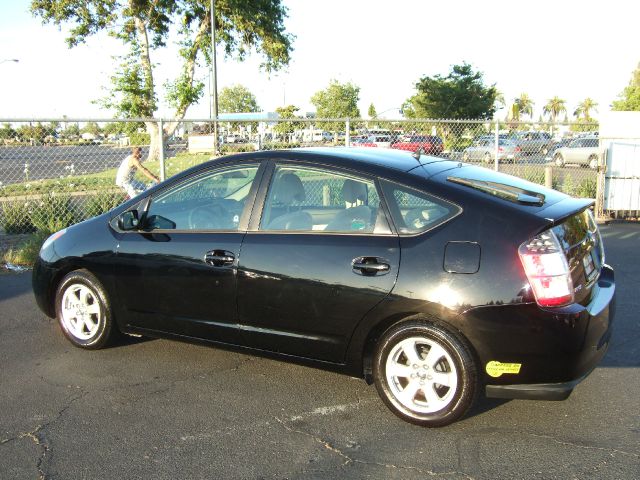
column 584, row 108
column 525, row 104
column 514, row 112
column 554, row 107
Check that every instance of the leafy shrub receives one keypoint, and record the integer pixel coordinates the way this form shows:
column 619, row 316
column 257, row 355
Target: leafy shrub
column 102, row 202
column 15, row 218
column 536, row 175
column 26, row 252
column 280, row 145
column 237, row 148
column 587, row 188
column 54, row 212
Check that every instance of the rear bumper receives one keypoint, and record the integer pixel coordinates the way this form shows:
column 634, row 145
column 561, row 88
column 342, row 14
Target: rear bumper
column 534, row 391
column 552, row 369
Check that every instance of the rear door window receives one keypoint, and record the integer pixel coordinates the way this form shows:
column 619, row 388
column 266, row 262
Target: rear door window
column 322, row 201
column 414, row 211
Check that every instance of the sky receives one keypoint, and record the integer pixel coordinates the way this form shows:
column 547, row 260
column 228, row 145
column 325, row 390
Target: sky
column 572, row 49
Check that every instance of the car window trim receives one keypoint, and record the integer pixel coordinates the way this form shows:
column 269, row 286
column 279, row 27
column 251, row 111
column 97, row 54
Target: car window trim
column 263, row 192
column 145, row 203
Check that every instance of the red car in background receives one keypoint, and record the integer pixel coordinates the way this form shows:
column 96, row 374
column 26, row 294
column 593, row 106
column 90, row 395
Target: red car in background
column 430, row 144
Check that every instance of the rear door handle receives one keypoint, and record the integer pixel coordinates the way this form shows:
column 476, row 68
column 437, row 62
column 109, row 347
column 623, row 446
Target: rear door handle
column 219, row 258
column 370, row 266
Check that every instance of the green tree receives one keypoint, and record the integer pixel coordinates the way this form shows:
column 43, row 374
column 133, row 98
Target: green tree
column 554, row 107
column 72, row 130
column 237, row 99
column 93, row 128
column 584, row 109
column 286, row 128
column 7, row 132
column 144, row 25
column 338, row 100
column 524, row 104
column 462, row 94
column 629, row 99
column 372, row 111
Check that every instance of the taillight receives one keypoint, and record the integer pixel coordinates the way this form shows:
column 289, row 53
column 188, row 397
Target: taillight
column 518, row 149
column 547, row 269
column 500, row 149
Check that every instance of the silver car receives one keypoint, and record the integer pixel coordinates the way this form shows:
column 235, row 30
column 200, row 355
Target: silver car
column 581, row 151
column 484, row 149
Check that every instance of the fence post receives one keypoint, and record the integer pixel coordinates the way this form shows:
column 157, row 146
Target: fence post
column 495, row 151
column 548, row 177
column 161, row 150
column 347, row 134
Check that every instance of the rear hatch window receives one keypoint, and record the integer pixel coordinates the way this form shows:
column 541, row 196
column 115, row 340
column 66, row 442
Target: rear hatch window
column 580, row 239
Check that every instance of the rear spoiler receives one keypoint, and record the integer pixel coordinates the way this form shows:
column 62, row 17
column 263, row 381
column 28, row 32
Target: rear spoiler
column 558, row 212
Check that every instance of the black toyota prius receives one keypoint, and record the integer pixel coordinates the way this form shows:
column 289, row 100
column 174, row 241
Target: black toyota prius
column 434, row 279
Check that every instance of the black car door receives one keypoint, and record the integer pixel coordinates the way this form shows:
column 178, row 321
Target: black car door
column 315, row 260
column 177, row 274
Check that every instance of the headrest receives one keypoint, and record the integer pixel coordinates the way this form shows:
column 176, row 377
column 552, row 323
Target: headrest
column 353, row 191
column 289, row 189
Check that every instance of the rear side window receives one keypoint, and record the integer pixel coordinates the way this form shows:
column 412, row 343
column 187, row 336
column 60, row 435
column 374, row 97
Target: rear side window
column 414, row 211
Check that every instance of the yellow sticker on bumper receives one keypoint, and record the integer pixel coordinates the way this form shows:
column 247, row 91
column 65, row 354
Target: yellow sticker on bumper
column 495, row 369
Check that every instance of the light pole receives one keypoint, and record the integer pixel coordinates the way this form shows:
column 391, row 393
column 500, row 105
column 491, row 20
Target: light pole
column 214, row 78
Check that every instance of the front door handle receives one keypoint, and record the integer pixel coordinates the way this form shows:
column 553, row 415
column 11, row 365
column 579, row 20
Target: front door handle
column 219, row 258
column 370, row 266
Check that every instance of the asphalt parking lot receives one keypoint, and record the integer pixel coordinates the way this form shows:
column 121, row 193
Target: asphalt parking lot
column 162, row 409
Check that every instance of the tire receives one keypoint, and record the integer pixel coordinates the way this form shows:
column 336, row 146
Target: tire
column 413, row 393
column 558, row 160
column 593, row 162
column 83, row 311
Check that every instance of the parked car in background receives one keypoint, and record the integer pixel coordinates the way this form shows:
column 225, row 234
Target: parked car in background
column 580, row 151
column 558, row 144
column 434, row 279
column 380, row 140
column 484, row 150
column 430, row 144
column 362, row 142
column 533, row 142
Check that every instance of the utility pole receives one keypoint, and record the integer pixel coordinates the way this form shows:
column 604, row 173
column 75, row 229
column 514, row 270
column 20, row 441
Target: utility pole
column 214, row 78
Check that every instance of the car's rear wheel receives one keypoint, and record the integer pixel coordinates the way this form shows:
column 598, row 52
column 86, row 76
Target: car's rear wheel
column 425, row 374
column 83, row 311
column 558, row 160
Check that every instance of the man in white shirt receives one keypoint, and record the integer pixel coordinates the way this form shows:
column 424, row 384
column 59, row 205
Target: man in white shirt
column 125, row 178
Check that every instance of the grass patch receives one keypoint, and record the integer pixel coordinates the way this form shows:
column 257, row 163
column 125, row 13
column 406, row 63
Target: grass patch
column 26, row 252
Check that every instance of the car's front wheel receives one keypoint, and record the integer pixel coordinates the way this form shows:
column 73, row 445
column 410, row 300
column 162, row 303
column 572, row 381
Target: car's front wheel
column 83, row 311
column 425, row 374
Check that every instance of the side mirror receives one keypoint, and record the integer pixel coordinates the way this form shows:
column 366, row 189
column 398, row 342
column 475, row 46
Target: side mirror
column 128, row 220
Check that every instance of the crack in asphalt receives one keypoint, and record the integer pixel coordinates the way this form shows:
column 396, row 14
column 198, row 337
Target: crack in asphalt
column 350, row 460
column 37, row 436
column 609, row 450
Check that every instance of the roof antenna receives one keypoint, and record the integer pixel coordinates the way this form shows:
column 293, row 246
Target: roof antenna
column 419, row 152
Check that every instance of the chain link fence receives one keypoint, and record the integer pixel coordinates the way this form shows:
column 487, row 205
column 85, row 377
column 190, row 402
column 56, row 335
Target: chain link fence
column 56, row 172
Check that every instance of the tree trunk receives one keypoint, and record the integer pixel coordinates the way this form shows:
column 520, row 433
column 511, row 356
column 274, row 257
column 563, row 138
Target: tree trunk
column 155, row 139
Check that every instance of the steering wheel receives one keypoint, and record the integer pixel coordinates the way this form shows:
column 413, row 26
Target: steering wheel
column 206, row 218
